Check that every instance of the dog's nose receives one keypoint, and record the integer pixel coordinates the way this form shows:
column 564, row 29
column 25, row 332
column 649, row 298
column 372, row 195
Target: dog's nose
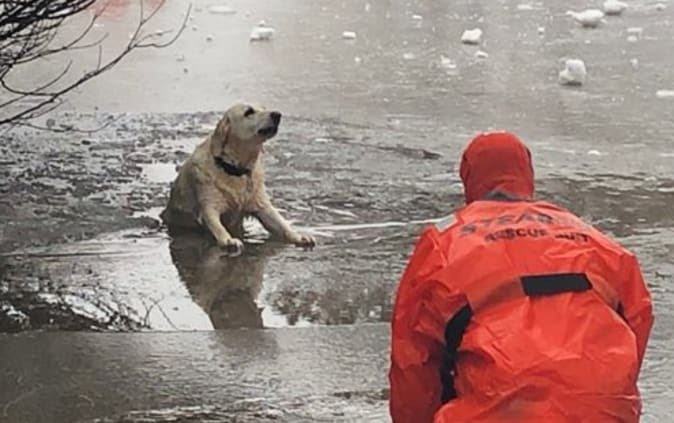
column 275, row 117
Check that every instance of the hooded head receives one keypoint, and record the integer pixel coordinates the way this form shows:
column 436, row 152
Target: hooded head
column 497, row 162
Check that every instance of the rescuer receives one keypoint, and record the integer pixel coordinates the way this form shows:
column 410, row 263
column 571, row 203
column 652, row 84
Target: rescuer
column 515, row 310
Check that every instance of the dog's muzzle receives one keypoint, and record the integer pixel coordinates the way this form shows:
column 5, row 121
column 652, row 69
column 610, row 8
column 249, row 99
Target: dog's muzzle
column 269, row 131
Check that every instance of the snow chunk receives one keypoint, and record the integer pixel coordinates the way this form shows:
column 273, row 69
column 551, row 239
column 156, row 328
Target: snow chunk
column 221, row 10
column 634, row 34
column 447, row 63
column 665, row 94
column 614, row 7
column 590, row 18
column 635, row 30
column 472, row 36
column 349, row 35
column 574, row 72
column 481, row 54
column 524, row 7
column 417, row 17
column 541, row 30
column 262, row 32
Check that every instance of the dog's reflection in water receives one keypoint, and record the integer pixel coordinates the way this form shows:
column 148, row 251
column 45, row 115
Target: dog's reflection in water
column 225, row 287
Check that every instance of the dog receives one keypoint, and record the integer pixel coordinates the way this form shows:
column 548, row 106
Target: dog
column 222, row 182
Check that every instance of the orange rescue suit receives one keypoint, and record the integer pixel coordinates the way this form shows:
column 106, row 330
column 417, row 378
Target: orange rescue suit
column 518, row 311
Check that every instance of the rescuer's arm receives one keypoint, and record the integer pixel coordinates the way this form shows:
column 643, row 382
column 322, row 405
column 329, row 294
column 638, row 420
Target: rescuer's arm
column 423, row 306
column 636, row 302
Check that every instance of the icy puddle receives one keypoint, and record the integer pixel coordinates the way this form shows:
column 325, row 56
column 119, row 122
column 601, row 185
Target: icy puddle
column 159, row 172
column 147, row 281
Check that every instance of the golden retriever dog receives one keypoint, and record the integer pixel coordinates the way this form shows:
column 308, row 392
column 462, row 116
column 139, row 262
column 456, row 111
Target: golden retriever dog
column 222, row 182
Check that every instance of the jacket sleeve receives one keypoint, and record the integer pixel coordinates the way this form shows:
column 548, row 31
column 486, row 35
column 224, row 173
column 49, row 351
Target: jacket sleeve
column 423, row 306
column 636, row 303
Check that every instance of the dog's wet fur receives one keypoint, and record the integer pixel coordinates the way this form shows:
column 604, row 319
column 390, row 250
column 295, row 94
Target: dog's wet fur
column 223, row 181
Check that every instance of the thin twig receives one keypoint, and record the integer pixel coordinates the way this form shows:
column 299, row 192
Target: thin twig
column 36, row 92
column 70, row 130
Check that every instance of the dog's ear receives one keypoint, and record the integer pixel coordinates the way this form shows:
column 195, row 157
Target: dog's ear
column 220, row 135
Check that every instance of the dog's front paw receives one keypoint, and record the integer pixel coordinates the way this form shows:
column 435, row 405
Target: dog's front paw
column 302, row 240
column 232, row 245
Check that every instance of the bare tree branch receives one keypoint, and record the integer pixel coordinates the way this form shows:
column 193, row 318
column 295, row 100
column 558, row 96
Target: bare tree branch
column 27, row 32
column 36, row 92
column 74, row 43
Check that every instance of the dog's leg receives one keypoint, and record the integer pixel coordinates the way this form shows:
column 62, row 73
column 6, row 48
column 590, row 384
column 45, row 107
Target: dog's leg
column 272, row 220
column 211, row 217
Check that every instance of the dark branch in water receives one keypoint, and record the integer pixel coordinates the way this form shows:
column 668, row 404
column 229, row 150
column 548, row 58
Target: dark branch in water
column 69, row 129
column 27, row 32
column 148, row 310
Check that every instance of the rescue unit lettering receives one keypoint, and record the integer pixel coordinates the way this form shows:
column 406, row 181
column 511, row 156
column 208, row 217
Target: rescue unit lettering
column 527, row 217
column 512, row 233
column 573, row 236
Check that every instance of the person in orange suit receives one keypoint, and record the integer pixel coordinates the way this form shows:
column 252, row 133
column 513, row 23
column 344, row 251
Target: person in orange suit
column 515, row 310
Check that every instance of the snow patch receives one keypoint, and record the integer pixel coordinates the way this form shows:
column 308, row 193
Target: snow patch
column 262, row 32
column 447, row 63
column 574, row 72
column 590, row 18
column 614, row 7
column 472, row 36
column 221, row 10
column 665, row 94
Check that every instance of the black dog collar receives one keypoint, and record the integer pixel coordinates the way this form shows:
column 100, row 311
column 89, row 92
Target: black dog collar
column 231, row 169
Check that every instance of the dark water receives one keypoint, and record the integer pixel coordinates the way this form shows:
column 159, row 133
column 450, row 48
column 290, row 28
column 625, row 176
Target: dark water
column 352, row 165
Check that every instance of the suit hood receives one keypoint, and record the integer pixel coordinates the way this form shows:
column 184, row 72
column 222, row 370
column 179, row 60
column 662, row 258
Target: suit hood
column 497, row 162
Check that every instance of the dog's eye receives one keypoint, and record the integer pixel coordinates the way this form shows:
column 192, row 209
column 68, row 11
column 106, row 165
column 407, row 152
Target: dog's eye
column 249, row 111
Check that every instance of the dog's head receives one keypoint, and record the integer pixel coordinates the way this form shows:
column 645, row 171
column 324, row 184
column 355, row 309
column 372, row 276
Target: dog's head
column 242, row 131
